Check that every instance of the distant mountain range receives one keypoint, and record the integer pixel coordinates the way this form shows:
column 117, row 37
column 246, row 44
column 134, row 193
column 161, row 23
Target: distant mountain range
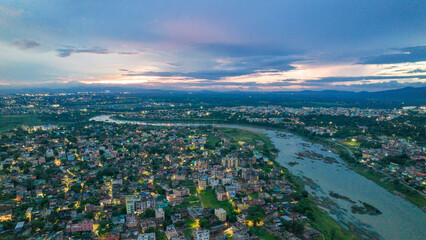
column 403, row 96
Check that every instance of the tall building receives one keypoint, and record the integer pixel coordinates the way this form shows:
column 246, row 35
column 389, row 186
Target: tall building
column 159, row 213
column 201, row 235
column 146, row 236
column 230, row 162
column 84, row 226
column 220, row 213
column 138, row 203
column 202, row 183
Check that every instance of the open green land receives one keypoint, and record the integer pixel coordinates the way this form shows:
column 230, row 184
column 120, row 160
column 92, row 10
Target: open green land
column 260, row 140
column 319, row 219
column 14, row 121
column 328, row 226
column 188, row 233
column 210, row 201
column 213, row 140
column 352, row 144
column 263, row 234
column 190, row 201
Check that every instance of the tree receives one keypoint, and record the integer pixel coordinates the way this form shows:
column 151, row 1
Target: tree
column 76, row 188
column 204, row 223
column 149, row 213
column 298, row 227
column 256, row 213
column 159, row 190
column 90, row 215
column 8, row 225
column 53, row 217
column 310, row 215
column 232, row 218
column 38, row 224
column 29, row 184
column 123, row 210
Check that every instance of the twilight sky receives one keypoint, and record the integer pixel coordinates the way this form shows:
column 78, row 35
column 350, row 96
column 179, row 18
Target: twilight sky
column 218, row 45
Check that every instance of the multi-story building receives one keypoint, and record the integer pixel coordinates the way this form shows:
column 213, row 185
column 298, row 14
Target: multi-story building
column 202, row 183
column 171, row 232
column 84, row 226
column 220, row 213
column 146, row 236
column 230, row 162
column 138, row 203
column 159, row 213
column 145, row 224
column 201, row 235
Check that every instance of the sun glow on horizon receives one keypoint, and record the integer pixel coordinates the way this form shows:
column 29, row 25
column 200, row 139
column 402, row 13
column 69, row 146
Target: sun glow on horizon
column 120, row 81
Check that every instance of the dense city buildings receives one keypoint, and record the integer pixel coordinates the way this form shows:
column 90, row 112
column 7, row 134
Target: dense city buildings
column 109, row 180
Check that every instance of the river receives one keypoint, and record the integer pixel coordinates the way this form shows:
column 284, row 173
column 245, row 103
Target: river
column 399, row 219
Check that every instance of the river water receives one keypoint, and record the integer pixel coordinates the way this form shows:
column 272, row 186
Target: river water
column 399, row 219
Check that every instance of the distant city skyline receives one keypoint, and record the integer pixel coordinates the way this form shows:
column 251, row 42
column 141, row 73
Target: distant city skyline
column 214, row 45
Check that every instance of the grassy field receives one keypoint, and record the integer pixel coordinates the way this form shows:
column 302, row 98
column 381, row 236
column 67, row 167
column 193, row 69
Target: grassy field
column 188, row 233
column 321, row 220
column 352, row 144
column 241, row 135
column 263, row 234
column 248, row 136
column 190, row 201
column 328, row 226
column 210, row 201
column 13, row 121
column 212, row 140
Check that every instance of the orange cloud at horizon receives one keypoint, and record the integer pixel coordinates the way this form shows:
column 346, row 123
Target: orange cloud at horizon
column 296, row 79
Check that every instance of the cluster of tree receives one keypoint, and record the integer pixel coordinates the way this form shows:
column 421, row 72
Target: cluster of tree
column 108, row 172
column 72, row 116
column 256, row 213
column 402, row 159
column 295, row 227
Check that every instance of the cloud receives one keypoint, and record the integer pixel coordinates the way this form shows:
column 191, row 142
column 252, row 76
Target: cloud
column 229, row 67
column 172, row 64
column 206, row 83
column 418, row 70
column 260, row 42
column 207, row 74
column 218, row 74
column 128, row 53
column 25, row 43
column 353, row 79
column 243, row 50
column 261, row 63
column 66, row 52
column 11, row 11
column 405, row 55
